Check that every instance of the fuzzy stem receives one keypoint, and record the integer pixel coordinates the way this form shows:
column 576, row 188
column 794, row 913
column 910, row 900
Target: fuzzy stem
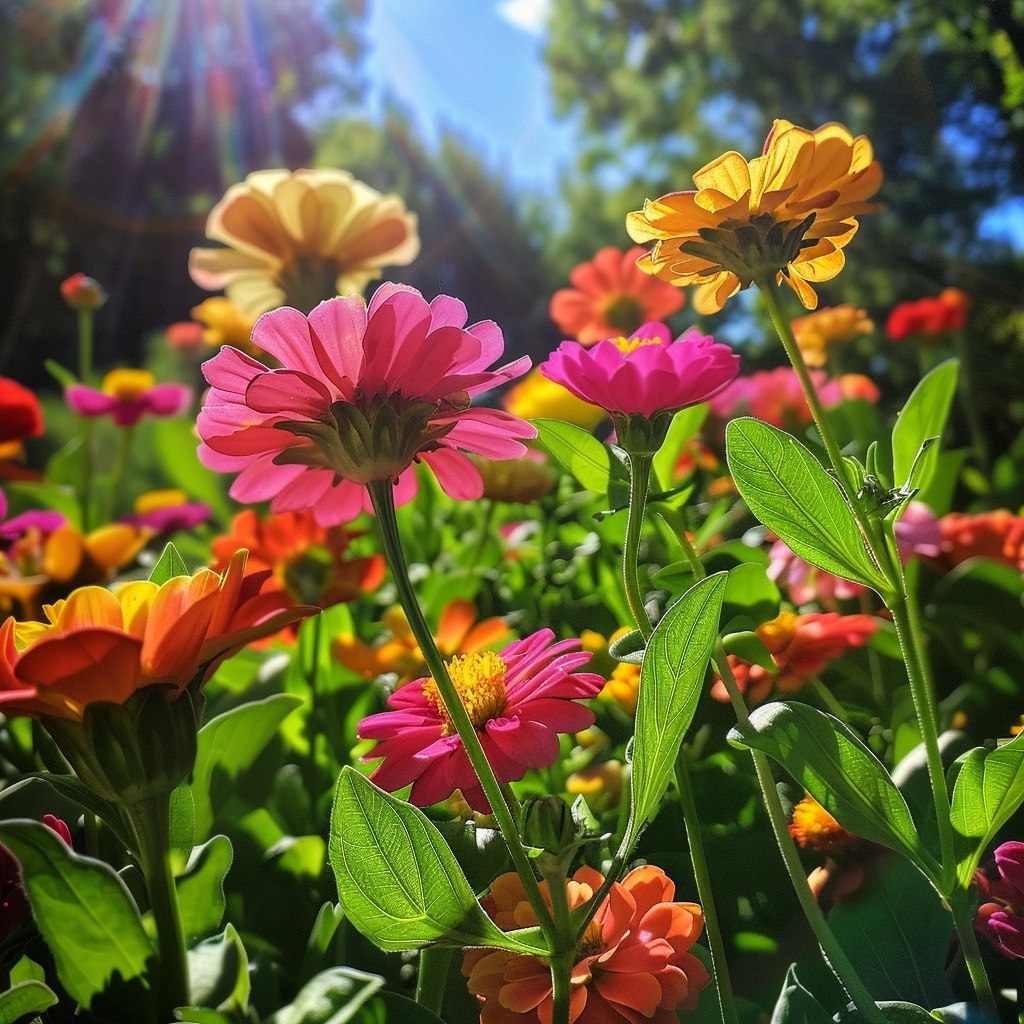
column 435, row 962
column 639, row 483
column 963, row 919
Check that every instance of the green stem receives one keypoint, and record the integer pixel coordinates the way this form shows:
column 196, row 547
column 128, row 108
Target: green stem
column 561, row 975
column 963, row 919
column 639, row 483
column 85, row 317
column 827, row 698
column 383, row 500
column 88, row 470
column 435, row 962
column 705, row 890
column 832, row 951
column 118, row 469
column 150, row 821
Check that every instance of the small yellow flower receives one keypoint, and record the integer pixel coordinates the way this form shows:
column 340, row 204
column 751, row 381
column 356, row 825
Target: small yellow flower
column 811, row 825
column 224, row 323
column 825, row 329
column 786, row 214
column 536, row 396
column 298, row 237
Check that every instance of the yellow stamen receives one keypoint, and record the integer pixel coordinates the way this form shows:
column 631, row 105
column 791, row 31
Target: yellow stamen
column 480, row 682
column 127, row 384
column 628, row 345
column 591, row 943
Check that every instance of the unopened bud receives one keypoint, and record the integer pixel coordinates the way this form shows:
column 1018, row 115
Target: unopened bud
column 83, row 293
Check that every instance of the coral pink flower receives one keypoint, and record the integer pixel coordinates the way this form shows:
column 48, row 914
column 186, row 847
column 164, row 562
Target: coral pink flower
column 644, row 374
column 997, row 535
column 128, row 395
column 362, row 394
column 610, row 296
column 1001, row 914
column 929, row 316
column 518, row 700
column 805, row 582
column 632, row 964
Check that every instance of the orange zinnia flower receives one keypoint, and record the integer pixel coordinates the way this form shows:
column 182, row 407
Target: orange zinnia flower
column 811, row 825
column 103, row 646
column 632, row 963
column 611, row 296
column 298, row 237
column 829, row 328
column 786, row 214
column 998, row 536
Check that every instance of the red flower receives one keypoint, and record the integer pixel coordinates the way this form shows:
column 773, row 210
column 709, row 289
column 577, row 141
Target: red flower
column 20, row 415
column 610, row 296
column 518, row 700
column 632, row 964
column 998, row 536
column 929, row 316
column 82, row 293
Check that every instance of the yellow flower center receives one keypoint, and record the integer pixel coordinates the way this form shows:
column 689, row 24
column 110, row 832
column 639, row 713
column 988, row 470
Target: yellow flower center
column 127, row 384
column 479, row 680
column 628, row 345
column 591, row 943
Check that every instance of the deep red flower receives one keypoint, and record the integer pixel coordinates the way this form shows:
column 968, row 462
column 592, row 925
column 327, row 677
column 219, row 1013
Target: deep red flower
column 20, row 415
column 632, row 964
column 929, row 316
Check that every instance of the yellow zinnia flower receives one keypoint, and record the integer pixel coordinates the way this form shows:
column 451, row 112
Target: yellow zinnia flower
column 828, row 328
column 299, row 237
column 787, row 213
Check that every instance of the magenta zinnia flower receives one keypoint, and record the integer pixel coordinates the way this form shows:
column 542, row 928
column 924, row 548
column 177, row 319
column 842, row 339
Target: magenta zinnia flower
column 1000, row 915
column 518, row 700
column 128, row 395
column 646, row 373
column 362, row 393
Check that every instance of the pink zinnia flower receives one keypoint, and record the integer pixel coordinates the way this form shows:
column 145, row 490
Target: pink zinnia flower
column 362, row 394
column 646, row 373
column 518, row 700
column 1001, row 914
column 128, row 395
column 632, row 964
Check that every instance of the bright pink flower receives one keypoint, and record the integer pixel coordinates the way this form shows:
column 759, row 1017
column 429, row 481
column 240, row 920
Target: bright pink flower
column 13, row 529
column 805, row 582
column 918, row 532
column 1000, row 916
column 646, row 373
column 518, row 700
column 362, row 394
column 632, row 964
column 128, row 395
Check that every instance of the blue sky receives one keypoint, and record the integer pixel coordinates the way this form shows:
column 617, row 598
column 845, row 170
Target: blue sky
column 474, row 66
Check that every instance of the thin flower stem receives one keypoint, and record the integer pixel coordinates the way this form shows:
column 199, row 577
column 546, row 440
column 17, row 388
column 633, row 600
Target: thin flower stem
column 561, row 975
column 88, row 470
column 639, row 483
column 85, row 318
column 150, row 821
column 963, row 919
column 383, row 500
column 435, row 962
column 831, row 950
column 118, row 469
column 705, row 890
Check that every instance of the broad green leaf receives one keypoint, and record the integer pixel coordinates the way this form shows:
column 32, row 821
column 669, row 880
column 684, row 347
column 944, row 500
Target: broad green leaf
column 228, row 744
column 398, row 882
column 796, row 1005
column 218, row 971
column 87, row 917
column 788, row 490
column 201, row 889
column 923, row 417
column 683, row 427
column 332, row 997
column 989, row 787
column 392, row 1008
column 836, row 768
column 671, row 681
column 322, row 934
column 750, row 594
column 169, row 565
column 896, row 933
column 578, row 451
column 25, row 998
column 899, row 1012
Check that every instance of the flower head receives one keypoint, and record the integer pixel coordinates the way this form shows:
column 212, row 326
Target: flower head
column 632, row 964
column 166, row 511
column 811, row 825
column 223, row 323
column 928, row 317
column 298, row 237
column 82, row 293
column 128, row 395
column 997, row 536
column 518, row 701
column 786, row 214
column 20, row 414
column 535, row 396
column 1000, row 916
column 644, row 376
column 362, row 393
column 103, row 646
column 611, row 296
column 825, row 329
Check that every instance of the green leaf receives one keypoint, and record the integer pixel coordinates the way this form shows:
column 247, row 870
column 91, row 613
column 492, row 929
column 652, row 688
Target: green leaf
column 87, row 918
column 174, row 445
column 218, row 971
column 896, row 933
column 683, row 428
column 750, row 594
column 787, row 489
column 796, row 1005
column 671, row 681
column 227, row 745
column 398, row 882
column 924, row 416
column 25, row 998
column 169, row 565
column 836, row 768
column 989, row 787
column 581, row 453
column 201, row 889
column 395, row 1009
column 332, row 997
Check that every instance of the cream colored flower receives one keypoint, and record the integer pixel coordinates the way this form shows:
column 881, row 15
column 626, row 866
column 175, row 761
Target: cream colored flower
column 298, row 237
